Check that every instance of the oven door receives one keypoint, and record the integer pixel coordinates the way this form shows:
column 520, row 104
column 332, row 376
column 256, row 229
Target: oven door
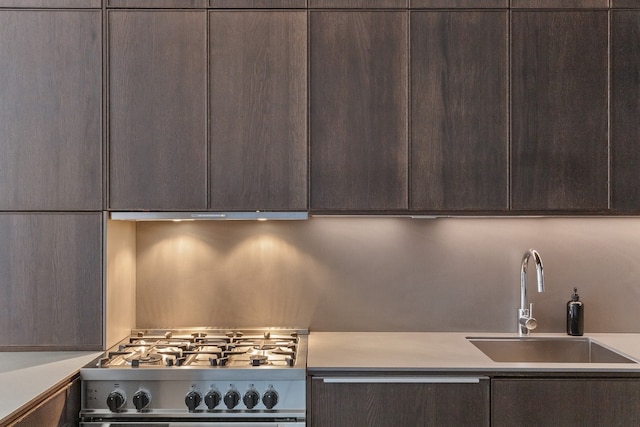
column 195, row 424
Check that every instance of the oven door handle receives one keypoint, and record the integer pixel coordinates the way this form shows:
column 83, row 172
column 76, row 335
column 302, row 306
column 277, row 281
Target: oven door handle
column 403, row 380
column 195, row 424
column 238, row 424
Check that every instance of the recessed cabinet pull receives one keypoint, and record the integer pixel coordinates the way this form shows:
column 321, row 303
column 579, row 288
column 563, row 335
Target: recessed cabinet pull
column 404, row 380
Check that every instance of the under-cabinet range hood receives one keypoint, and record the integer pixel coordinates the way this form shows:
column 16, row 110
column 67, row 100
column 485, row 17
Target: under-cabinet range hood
column 195, row 216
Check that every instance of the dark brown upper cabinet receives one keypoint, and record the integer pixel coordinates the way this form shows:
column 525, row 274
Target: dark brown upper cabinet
column 52, row 4
column 356, row 4
column 560, row 4
column 559, row 110
column 157, row 109
column 625, row 110
column 50, row 110
column 258, row 4
column 459, row 120
column 258, row 110
column 621, row 4
column 51, row 281
column 358, row 110
column 157, row 4
column 463, row 4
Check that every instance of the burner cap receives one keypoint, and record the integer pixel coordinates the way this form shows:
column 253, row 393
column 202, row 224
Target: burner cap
column 234, row 334
column 148, row 359
column 258, row 359
column 264, row 347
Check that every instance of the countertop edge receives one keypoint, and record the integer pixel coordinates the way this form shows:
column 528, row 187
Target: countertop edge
column 35, row 377
column 24, row 409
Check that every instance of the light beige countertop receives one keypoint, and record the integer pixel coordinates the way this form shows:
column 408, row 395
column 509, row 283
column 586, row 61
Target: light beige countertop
column 444, row 352
column 25, row 377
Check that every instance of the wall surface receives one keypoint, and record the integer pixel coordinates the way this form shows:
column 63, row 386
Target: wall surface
column 120, row 292
column 386, row 274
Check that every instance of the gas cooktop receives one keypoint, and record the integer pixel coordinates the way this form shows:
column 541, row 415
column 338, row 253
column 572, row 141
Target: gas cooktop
column 215, row 374
column 206, row 347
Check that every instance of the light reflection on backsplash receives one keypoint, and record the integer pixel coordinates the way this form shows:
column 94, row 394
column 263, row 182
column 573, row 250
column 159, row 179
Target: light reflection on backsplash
column 387, row 274
column 227, row 276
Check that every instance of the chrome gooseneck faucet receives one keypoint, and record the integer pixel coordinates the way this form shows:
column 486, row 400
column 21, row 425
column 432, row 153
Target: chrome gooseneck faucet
column 526, row 321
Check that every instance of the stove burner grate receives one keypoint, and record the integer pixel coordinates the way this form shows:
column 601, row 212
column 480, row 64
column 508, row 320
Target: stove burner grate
column 177, row 348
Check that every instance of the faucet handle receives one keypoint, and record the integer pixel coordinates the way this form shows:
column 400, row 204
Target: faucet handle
column 526, row 320
column 531, row 323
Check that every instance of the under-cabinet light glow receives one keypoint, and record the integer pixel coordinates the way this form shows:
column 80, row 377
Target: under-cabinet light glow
column 191, row 216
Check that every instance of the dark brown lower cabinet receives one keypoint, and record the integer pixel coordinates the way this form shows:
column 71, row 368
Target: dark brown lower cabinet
column 565, row 402
column 60, row 409
column 395, row 401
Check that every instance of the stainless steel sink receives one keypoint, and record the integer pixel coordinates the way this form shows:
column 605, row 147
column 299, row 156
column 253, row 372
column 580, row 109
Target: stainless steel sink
column 547, row 350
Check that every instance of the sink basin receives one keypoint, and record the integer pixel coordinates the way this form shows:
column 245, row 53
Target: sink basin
column 547, row 350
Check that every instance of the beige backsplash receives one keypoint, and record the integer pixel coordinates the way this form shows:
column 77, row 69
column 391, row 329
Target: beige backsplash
column 385, row 274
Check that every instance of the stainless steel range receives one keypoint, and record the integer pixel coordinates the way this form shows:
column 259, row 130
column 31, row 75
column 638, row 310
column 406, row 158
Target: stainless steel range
column 199, row 376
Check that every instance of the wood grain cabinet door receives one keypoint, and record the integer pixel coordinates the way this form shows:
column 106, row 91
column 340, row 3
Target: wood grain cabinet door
column 258, row 110
column 360, row 402
column 625, row 110
column 587, row 402
column 358, row 110
column 51, row 280
column 459, row 120
column 559, row 118
column 50, row 110
column 157, row 109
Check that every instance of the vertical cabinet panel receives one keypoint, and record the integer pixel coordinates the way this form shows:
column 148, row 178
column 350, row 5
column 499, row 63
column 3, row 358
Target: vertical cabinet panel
column 50, row 110
column 625, row 110
column 158, row 110
column 51, row 280
column 459, row 146
column 559, row 101
column 358, row 117
column 258, row 100
column 398, row 404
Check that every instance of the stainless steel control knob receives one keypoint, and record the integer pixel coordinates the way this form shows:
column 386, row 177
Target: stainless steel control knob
column 231, row 399
column 141, row 399
column 212, row 399
column 270, row 398
column 192, row 400
column 116, row 400
column 251, row 398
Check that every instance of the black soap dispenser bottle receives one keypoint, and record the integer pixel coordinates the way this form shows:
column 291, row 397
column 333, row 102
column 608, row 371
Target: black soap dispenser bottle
column 575, row 315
